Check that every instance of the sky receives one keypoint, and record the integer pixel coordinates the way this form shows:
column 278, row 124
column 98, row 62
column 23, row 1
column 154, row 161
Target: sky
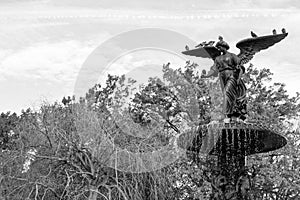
column 45, row 44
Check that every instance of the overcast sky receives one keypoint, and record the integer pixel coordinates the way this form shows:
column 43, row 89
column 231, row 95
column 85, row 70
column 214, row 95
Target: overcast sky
column 43, row 44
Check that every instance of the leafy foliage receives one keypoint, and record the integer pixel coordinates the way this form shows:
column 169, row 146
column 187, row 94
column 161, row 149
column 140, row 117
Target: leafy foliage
column 8, row 124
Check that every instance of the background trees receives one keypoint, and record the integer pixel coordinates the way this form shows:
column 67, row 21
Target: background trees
column 63, row 151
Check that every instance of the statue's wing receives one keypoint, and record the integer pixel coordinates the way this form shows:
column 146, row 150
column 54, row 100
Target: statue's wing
column 249, row 47
column 204, row 52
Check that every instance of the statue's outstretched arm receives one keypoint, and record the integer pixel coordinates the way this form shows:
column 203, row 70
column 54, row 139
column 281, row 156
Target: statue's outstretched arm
column 212, row 72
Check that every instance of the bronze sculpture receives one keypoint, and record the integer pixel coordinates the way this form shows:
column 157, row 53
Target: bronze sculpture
column 232, row 140
column 229, row 67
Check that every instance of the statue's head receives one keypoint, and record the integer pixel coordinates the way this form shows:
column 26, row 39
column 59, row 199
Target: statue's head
column 222, row 45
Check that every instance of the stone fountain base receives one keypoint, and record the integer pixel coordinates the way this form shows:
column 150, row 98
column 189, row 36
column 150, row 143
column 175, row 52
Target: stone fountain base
column 230, row 143
column 242, row 138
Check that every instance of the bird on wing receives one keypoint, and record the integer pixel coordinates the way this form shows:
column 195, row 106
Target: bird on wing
column 283, row 30
column 187, row 47
column 253, row 34
column 274, row 32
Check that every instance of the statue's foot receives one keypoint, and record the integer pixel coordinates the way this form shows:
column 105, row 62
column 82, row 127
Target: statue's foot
column 234, row 117
column 233, row 120
column 239, row 120
column 230, row 120
column 227, row 120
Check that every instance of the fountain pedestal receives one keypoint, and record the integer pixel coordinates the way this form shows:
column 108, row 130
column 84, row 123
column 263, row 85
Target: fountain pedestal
column 231, row 143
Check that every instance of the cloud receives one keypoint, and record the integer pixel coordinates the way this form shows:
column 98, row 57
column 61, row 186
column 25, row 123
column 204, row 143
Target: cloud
column 42, row 71
column 144, row 63
column 48, row 61
column 139, row 65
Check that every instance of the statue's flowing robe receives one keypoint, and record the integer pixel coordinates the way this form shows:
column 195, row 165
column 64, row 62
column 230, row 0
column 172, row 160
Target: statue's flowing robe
column 233, row 87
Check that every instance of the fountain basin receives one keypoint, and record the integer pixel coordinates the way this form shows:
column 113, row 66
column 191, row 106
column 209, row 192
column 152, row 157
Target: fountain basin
column 240, row 138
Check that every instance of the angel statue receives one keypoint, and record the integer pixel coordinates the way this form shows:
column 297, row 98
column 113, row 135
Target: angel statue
column 230, row 68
